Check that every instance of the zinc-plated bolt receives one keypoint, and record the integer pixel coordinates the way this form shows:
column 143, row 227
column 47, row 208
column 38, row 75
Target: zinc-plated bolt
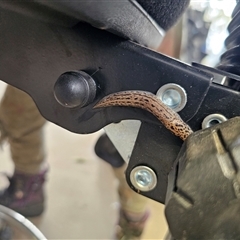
column 173, row 95
column 212, row 120
column 143, row 178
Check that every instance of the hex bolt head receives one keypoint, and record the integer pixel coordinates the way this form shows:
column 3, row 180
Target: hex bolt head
column 171, row 98
column 143, row 178
column 173, row 95
column 75, row 89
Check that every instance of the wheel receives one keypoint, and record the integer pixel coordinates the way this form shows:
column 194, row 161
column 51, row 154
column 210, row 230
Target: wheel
column 203, row 198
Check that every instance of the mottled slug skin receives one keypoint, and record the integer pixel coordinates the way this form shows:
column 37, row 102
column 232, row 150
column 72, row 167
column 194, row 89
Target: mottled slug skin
column 149, row 102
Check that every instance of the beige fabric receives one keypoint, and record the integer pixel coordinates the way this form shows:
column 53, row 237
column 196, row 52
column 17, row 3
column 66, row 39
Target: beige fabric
column 22, row 125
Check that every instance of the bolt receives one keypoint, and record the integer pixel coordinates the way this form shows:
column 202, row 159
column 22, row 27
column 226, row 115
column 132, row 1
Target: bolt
column 173, row 95
column 143, row 178
column 212, row 120
column 171, row 98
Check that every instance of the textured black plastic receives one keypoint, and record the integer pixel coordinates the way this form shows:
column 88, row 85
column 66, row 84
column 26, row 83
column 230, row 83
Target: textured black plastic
column 230, row 60
column 165, row 12
column 203, row 199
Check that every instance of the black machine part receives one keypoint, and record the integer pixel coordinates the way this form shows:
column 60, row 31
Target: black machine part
column 42, row 40
column 131, row 19
column 203, row 198
column 37, row 52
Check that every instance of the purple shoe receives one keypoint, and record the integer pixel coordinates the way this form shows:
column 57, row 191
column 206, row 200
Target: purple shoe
column 128, row 229
column 24, row 194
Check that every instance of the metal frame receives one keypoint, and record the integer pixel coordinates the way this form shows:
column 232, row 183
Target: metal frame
column 14, row 219
column 35, row 53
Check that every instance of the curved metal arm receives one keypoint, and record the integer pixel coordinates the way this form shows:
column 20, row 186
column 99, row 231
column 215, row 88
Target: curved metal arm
column 24, row 225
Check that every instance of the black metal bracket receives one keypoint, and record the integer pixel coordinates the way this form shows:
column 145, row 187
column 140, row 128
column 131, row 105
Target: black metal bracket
column 35, row 53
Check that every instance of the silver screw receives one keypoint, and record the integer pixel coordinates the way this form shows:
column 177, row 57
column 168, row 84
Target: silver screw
column 143, row 178
column 212, row 120
column 173, row 95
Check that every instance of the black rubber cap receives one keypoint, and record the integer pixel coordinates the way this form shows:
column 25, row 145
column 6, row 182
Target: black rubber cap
column 75, row 89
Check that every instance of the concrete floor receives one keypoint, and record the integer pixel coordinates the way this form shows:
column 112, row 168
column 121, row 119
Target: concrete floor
column 81, row 190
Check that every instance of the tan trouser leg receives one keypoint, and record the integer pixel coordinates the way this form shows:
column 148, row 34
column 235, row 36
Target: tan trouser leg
column 130, row 201
column 22, row 125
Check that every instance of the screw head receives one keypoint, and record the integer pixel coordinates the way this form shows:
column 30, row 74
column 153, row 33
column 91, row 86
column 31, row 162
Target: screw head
column 171, row 98
column 75, row 89
column 212, row 120
column 173, row 95
column 143, row 178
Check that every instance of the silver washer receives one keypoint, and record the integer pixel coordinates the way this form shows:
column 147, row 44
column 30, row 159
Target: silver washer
column 212, row 120
column 173, row 95
column 143, row 178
